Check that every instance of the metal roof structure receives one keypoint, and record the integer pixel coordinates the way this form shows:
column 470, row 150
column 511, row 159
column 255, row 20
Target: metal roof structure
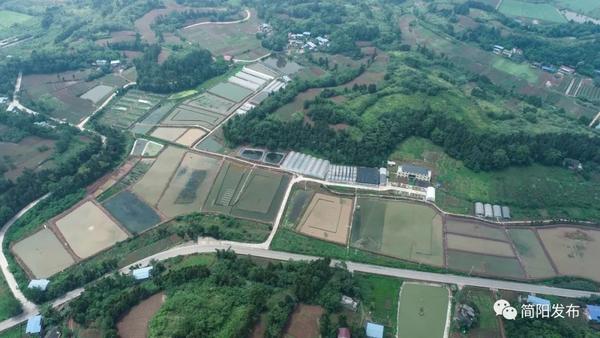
column 342, row 173
column 41, row 284
column 142, row 273
column 479, row 209
column 414, row 169
column 537, row 300
column 34, row 325
column 593, row 312
column 497, row 211
column 505, row 212
column 306, row 165
column 366, row 175
column 374, row 330
column 487, row 210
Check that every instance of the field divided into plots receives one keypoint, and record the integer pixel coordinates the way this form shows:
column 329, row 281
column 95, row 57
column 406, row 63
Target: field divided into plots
column 132, row 212
column 129, row 108
column 43, row 254
column 532, row 254
column 327, row 217
column 400, row 229
column 205, row 110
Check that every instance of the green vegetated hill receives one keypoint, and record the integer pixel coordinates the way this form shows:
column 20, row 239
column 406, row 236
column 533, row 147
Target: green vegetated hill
column 423, row 95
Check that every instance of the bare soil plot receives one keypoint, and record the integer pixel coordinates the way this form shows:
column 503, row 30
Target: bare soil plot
column 479, row 245
column 574, row 251
column 304, row 322
column 230, row 91
column 474, row 228
column 143, row 24
column 190, row 137
column 43, row 254
column 88, row 230
column 505, row 267
column 154, row 182
column 168, row 134
column 238, row 40
column 190, row 186
column 531, row 252
column 400, row 229
column 327, row 217
column 97, row 93
column 132, row 212
column 29, row 153
column 135, row 322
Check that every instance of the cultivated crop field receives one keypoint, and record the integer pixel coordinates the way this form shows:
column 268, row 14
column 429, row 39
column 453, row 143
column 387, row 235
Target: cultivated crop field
column 63, row 95
column 475, row 229
column 230, row 91
column 244, row 192
column 400, row 229
column 29, row 153
column 42, row 254
column 238, row 40
column 327, row 217
column 151, row 186
column 484, row 264
column 133, row 213
column 88, row 230
column 304, row 322
column 423, row 311
column 130, row 107
column 188, row 189
column 540, row 11
column 531, row 253
column 135, row 323
column 153, row 119
column 574, row 251
column 479, row 245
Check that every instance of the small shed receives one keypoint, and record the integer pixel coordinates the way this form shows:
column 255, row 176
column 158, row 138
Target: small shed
column 430, row 194
column 593, row 312
column 537, row 300
column 34, row 325
column 505, row 212
column 374, row 330
column 479, row 209
column 383, row 176
column 487, row 211
column 497, row 211
column 142, row 273
column 41, row 284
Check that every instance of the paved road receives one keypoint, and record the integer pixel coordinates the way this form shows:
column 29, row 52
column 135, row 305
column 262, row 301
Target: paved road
column 29, row 308
column 204, row 246
column 248, row 16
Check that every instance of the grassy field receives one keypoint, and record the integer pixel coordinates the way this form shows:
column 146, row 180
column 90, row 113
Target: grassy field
column 423, row 311
column 29, row 153
column 482, row 300
column 540, row 11
column 14, row 332
column 380, row 298
column 532, row 254
column 522, row 70
column 473, row 228
column 532, row 192
column 400, row 229
column 9, row 306
column 467, row 262
column 588, row 7
column 9, row 18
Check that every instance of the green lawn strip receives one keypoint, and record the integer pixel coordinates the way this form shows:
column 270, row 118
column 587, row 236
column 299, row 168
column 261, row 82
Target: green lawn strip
column 380, row 298
column 17, row 331
column 532, row 192
column 9, row 306
column 423, row 310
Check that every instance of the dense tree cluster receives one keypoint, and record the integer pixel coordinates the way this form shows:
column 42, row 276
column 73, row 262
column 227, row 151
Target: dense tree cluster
column 180, row 71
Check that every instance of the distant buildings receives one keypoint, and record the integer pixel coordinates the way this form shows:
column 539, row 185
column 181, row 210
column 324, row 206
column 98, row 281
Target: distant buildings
column 492, row 211
column 414, row 172
column 430, row 194
column 566, row 70
column 367, row 176
column 306, row 165
column 479, row 212
column 374, row 330
column 349, row 303
column 488, row 212
column 572, row 164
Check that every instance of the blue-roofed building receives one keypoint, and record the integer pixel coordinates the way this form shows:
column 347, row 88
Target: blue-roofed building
column 593, row 312
column 537, row 300
column 374, row 330
column 41, row 284
column 142, row 273
column 34, row 325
